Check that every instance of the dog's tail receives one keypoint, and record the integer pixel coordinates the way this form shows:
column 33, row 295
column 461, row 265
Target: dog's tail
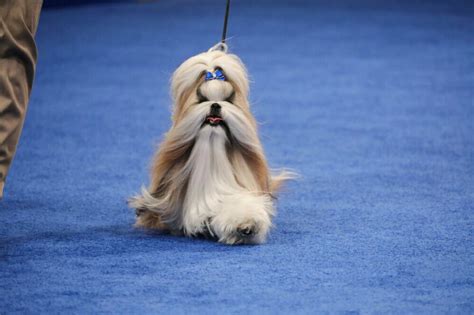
column 279, row 178
column 147, row 210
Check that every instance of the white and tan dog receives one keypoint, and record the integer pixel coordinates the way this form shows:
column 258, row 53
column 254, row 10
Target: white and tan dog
column 210, row 176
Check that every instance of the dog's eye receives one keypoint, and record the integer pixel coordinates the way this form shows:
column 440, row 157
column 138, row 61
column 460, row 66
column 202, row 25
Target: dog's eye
column 201, row 98
column 230, row 99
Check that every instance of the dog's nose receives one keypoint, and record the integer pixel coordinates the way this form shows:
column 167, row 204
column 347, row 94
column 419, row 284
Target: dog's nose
column 215, row 109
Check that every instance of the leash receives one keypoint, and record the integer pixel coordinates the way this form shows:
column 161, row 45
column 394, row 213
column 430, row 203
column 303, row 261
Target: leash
column 222, row 46
column 226, row 19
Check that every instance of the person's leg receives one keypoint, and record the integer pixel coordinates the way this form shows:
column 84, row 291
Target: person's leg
column 18, row 23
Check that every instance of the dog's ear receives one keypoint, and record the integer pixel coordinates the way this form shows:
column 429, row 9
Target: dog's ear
column 184, row 83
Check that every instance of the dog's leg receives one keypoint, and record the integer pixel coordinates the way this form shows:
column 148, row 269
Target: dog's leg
column 243, row 218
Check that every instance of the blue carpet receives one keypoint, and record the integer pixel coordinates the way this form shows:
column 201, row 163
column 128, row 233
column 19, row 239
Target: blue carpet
column 371, row 102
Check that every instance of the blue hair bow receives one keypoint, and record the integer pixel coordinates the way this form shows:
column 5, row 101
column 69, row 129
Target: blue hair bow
column 216, row 75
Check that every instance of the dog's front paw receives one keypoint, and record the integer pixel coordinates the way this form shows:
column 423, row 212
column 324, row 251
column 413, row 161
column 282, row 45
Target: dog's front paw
column 247, row 229
column 247, row 233
column 243, row 219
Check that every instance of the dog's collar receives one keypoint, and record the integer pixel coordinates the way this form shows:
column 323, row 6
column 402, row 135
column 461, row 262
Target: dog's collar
column 216, row 75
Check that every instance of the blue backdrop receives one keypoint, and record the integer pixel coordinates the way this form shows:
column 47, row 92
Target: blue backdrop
column 371, row 102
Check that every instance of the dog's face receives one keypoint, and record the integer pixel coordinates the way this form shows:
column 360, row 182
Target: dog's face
column 210, row 77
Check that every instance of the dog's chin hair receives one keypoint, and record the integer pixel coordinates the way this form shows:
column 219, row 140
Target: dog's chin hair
column 220, row 196
column 215, row 191
column 242, row 131
column 215, row 201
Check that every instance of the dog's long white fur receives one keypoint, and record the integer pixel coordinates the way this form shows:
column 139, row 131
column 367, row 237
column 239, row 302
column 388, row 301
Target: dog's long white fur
column 214, row 195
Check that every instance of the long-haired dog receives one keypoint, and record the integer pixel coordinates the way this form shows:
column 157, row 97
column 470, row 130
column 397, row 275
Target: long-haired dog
column 210, row 176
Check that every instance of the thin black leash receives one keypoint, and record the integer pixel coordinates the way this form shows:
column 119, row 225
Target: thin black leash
column 226, row 19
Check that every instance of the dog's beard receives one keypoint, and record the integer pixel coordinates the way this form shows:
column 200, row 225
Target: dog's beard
column 213, row 187
column 222, row 189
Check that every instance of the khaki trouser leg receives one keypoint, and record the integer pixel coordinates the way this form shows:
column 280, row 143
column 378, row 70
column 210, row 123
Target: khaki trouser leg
column 18, row 23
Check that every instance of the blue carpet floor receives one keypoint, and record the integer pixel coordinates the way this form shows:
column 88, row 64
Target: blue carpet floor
column 372, row 103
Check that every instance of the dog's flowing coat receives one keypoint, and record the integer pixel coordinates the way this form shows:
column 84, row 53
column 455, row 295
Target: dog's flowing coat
column 210, row 176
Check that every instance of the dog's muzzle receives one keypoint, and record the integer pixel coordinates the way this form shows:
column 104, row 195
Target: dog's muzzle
column 214, row 118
